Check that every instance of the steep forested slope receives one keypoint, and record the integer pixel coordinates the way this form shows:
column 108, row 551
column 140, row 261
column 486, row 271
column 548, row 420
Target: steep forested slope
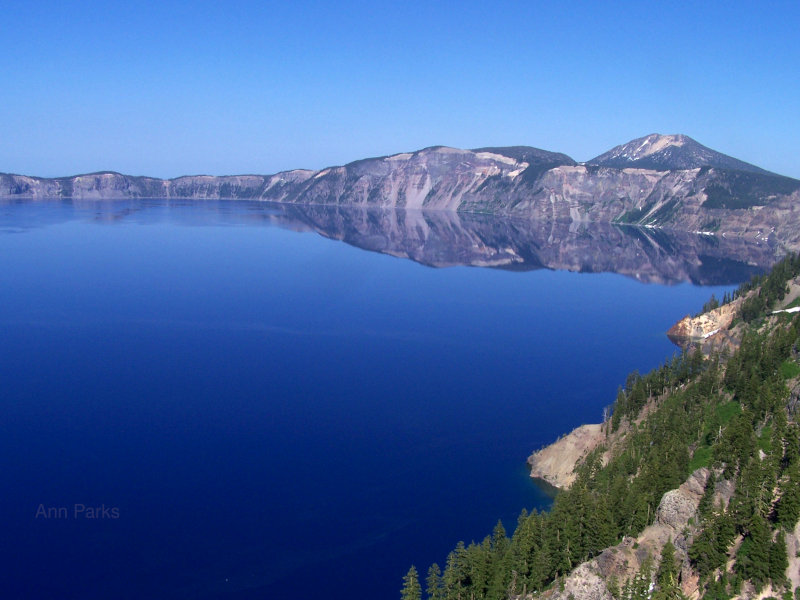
column 695, row 490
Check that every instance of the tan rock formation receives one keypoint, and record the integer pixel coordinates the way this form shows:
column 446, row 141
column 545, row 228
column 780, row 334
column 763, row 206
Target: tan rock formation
column 555, row 463
column 705, row 325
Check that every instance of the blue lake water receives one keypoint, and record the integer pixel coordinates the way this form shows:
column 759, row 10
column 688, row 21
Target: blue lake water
column 272, row 412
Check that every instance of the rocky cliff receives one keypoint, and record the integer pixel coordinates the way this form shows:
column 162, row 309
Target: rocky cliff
column 678, row 507
column 555, row 463
column 664, row 181
column 702, row 327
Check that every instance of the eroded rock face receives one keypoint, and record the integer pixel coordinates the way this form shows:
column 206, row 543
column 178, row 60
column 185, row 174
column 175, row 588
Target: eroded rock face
column 555, row 463
column 674, row 510
column 705, row 325
column 678, row 506
column 583, row 584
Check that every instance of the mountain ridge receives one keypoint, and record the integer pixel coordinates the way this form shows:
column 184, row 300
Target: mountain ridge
column 519, row 181
column 521, row 153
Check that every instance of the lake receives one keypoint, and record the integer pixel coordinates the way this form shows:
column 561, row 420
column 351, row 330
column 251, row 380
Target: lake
column 241, row 400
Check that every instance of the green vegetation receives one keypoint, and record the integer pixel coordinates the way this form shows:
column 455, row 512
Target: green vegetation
column 770, row 288
column 743, row 190
column 700, row 458
column 411, row 586
column 731, row 414
column 789, row 369
column 712, row 304
column 665, row 212
column 711, row 225
column 718, row 196
column 634, row 215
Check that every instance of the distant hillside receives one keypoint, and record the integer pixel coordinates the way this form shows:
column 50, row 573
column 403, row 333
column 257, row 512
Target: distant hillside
column 676, row 184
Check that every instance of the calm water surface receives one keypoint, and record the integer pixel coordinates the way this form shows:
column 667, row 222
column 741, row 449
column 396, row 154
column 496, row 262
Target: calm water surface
column 272, row 412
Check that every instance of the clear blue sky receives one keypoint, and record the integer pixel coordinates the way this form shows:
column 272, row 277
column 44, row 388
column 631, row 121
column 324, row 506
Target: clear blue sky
column 170, row 88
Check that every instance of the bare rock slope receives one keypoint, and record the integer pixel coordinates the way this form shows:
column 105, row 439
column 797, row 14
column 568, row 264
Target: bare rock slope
column 555, row 463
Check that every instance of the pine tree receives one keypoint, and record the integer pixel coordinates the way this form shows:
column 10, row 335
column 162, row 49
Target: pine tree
column 612, row 585
column 454, row 575
column 703, row 554
column 541, row 569
column 434, row 583
column 725, row 532
column 411, row 588
column 753, row 558
column 499, row 538
column 792, row 451
column 500, row 578
column 639, row 586
column 667, row 577
column 667, row 570
column 717, row 589
column 778, row 562
column 788, row 509
column 706, row 502
column 601, row 529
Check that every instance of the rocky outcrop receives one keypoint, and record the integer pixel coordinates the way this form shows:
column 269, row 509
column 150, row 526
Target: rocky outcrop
column 583, row 583
column 680, row 505
column 555, row 463
column 711, row 331
column 705, row 325
column 676, row 509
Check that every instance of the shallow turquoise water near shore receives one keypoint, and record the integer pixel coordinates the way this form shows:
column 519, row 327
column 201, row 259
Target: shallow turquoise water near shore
column 273, row 412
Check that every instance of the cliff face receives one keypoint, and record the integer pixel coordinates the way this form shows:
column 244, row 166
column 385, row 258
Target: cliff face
column 555, row 463
column 712, row 331
column 103, row 186
column 672, row 183
column 704, row 326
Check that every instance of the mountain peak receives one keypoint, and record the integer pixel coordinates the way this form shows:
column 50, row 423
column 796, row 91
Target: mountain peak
column 656, row 142
column 669, row 152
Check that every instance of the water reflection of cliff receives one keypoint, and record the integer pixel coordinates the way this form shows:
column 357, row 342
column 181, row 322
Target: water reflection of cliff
column 447, row 238
column 444, row 238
